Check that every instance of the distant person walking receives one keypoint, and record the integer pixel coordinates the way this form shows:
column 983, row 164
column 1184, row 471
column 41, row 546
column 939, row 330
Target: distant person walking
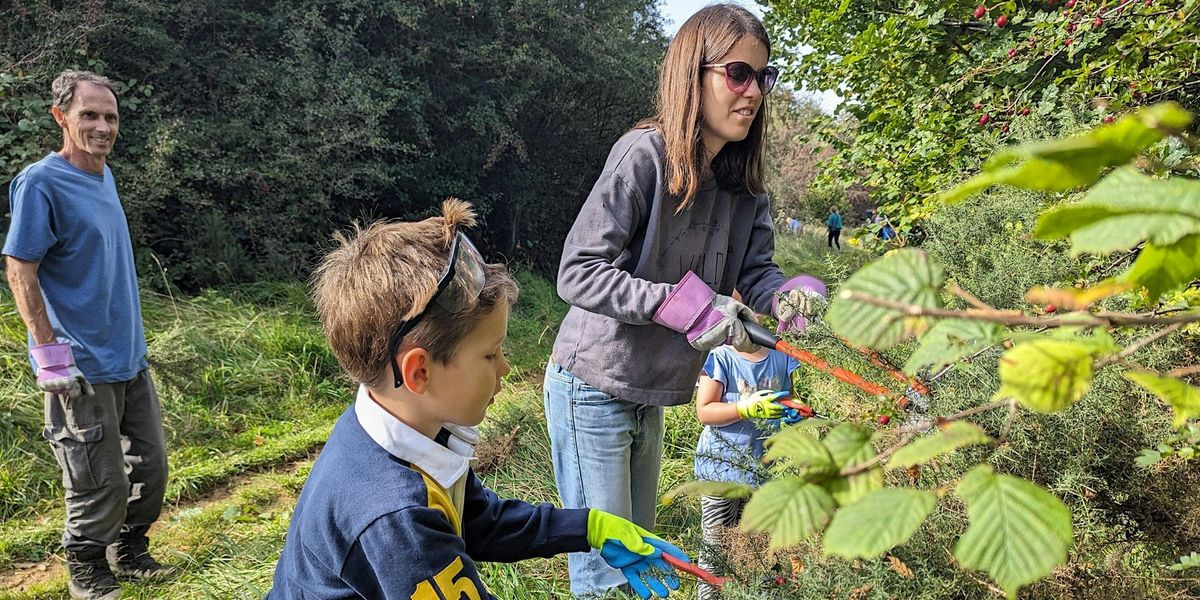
column 795, row 225
column 834, row 226
column 70, row 267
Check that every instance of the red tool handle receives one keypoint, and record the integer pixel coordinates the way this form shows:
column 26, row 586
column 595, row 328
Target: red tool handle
column 805, row 410
column 694, row 570
column 763, row 337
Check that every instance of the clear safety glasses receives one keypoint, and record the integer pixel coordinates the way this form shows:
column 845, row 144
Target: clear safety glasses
column 457, row 291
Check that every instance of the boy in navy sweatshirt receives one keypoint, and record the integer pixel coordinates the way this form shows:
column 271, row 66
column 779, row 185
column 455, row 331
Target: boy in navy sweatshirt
column 392, row 508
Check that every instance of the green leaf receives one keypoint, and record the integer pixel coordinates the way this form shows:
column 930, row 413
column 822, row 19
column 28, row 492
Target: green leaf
column 719, row 489
column 950, row 340
column 1122, row 210
column 879, row 522
column 907, row 276
column 799, row 448
column 1046, row 375
column 1018, row 531
column 1190, row 561
column 1166, row 269
column 790, row 509
column 1184, row 398
column 851, row 445
column 1149, row 456
column 953, row 436
column 1060, row 165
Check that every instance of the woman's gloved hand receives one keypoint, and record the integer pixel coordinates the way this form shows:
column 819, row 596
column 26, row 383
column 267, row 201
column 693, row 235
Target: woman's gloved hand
column 707, row 319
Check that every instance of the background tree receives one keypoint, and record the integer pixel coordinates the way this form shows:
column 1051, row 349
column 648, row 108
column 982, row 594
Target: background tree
column 251, row 131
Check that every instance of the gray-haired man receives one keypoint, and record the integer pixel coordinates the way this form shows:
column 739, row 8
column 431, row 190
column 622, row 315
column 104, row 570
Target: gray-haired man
column 70, row 267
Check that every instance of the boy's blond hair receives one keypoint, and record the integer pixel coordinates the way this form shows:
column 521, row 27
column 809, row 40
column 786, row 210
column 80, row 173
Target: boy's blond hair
column 385, row 274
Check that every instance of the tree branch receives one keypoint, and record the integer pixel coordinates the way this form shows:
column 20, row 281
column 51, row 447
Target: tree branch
column 908, row 433
column 1017, row 318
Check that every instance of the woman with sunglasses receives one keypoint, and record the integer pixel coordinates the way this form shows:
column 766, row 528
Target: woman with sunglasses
column 678, row 218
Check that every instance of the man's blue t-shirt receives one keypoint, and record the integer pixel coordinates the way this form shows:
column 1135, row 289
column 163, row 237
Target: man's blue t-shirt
column 71, row 222
column 730, row 453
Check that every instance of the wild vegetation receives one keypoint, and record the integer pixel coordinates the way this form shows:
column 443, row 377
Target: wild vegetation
column 1060, row 282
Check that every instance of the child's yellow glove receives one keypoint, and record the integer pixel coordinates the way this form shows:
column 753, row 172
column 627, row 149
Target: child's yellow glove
column 761, row 405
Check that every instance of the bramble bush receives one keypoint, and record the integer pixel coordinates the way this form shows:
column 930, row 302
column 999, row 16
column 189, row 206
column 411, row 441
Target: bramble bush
column 930, row 85
column 1064, row 342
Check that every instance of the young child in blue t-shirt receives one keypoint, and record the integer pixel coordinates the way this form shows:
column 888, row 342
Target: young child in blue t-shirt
column 736, row 389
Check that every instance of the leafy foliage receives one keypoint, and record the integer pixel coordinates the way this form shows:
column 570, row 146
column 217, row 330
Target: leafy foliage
column 906, row 276
column 880, row 521
column 790, row 509
column 1018, row 531
column 251, row 131
column 929, row 88
column 952, row 436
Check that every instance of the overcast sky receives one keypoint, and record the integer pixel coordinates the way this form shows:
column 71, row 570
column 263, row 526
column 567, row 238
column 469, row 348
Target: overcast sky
column 677, row 11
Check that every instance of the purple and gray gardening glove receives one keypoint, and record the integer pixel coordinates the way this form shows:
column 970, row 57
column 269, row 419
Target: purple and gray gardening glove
column 707, row 318
column 57, row 372
column 798, row 300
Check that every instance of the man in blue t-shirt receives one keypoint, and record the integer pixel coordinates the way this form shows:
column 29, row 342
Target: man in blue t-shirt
column 70, row 267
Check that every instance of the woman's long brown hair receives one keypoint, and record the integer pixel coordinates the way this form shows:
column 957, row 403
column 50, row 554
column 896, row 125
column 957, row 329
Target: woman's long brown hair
column 705, row 37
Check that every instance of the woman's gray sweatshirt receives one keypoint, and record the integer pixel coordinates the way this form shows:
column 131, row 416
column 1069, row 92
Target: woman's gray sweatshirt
column 623, row 256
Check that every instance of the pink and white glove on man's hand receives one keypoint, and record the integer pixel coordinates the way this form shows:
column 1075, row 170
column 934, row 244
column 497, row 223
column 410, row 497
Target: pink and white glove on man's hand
column 707, row 318
column 57, row 372
column 797, row 301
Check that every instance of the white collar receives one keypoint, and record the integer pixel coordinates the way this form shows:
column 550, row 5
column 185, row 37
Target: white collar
column 446, row 464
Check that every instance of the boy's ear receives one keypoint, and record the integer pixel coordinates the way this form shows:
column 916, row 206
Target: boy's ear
column 414, row 365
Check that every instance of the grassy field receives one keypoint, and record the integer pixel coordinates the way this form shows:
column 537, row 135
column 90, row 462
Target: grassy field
column 250, row 393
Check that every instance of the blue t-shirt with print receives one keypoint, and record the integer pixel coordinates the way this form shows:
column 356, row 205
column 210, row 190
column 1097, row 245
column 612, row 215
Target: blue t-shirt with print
column 730, row 453
column 71, row 222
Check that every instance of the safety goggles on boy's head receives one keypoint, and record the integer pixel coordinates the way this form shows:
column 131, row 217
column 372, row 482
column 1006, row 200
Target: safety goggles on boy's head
column 457, row 290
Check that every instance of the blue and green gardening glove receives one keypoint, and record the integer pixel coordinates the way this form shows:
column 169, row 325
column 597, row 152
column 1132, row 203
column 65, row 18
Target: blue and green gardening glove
column 635, row 551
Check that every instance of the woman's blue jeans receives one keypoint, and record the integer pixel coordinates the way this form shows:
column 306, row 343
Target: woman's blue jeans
column 607, row 455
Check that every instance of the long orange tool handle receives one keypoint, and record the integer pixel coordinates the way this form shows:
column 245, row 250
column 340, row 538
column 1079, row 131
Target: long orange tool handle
column 763, row 337
column 694, row 570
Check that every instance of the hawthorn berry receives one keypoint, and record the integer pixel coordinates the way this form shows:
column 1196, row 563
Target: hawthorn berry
column 1002, row 20
column 1108, row 118
column 1012, row 52
column 980, row 11
column 977, row 106
column 1070, row 4
column 884, row 419
column 1025, row 111
column 779, row 580
column 1097, row 22
column 1050, row 308
column 1004, row 129
column 984, row 118
column 1067, row 42
column 1070, row 27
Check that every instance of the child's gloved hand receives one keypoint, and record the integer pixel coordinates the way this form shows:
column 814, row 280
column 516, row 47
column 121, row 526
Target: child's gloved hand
column 761, row 405
column 635, row 551
column 791, row 416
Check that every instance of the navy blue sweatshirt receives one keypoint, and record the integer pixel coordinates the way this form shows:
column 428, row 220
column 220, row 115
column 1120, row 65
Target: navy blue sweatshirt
column 369, row 524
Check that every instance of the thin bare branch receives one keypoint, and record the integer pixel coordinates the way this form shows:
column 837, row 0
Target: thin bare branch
column 1138, row 345
column 1017, row 318
column 970, row 298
